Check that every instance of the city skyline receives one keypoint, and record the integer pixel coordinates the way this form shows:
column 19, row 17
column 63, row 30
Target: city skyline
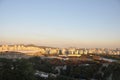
column 61, row 23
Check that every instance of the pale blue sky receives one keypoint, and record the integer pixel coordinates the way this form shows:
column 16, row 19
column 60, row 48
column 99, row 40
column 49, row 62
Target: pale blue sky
column 61, row 23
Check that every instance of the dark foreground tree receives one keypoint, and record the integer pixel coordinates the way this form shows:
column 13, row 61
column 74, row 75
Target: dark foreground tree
column 112, row 72
column 16, row 70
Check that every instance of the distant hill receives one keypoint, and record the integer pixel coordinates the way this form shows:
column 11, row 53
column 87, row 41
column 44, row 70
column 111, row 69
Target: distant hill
column 32, row 45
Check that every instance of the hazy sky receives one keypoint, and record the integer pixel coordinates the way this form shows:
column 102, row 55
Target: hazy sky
column 62, row 23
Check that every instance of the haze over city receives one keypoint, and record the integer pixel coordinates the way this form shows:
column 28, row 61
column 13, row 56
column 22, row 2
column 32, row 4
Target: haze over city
column 61, row 23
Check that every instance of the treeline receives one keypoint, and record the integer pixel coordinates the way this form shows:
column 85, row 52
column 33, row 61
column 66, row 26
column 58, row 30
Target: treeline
column 24, row 69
